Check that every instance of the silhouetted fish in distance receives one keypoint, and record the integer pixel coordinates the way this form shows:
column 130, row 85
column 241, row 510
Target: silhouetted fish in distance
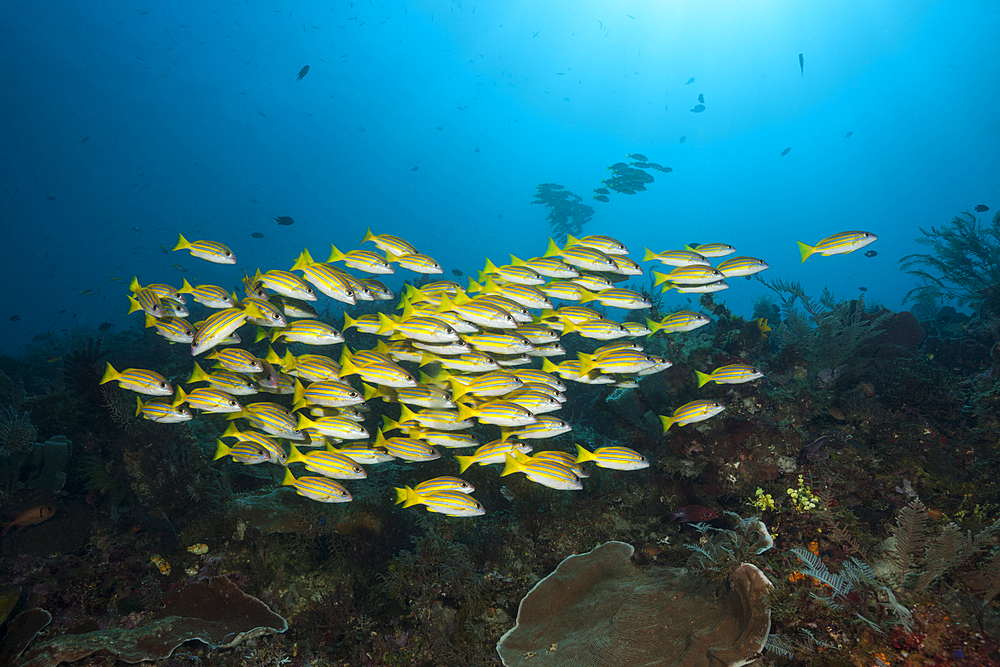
column 302, row 73
column 802, row 65
column 284, row 220
column 982, row 208
column 786, row 151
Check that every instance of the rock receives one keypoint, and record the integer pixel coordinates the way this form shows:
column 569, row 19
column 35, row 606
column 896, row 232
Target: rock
column 214, row 611
column 598, row 609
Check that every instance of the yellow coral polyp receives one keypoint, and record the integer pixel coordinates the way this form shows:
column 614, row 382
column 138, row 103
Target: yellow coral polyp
column 764, row 502
column 803, row 499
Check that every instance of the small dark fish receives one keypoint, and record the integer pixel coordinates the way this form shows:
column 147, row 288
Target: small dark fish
column 802, row 65
column 50, row 197
column 816, row 444
column 15, row 318
column 415, row 168
column 302, row 73
column 602, row 191
column 61, row 312
column 456, row 272
column 284, row 220
column 863, row 289
column 683, row 139
column 638, row 157
column 41, row 337
column 701, row 97
column 104, row 326
column 871, row 253
column 164, row 250
column 698, row 108
column 982, row 208
column 85, row 140
column 603, row 198
column 690, row 81
column 694, row 513
column 254, row 201
column 848, row 135
column 438, row 128
column 786, row 151
column 477, row 149
column 257, row 235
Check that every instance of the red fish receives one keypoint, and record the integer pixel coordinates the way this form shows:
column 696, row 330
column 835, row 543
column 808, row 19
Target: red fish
column 694, row 513
column 36, row 514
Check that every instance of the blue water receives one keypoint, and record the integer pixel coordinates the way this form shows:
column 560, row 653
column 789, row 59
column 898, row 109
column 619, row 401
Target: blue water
column 195, row 123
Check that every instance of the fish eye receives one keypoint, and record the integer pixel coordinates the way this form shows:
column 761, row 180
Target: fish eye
column 228, row 254
column 163, row 385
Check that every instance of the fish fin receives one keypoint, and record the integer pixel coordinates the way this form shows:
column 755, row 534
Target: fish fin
column 583, row 455
column 490, row 267
column 667, row 422
column 805, row 250
column 511, row 465
column 138, row 407
column 553, row 249
column 335, row 255
column 653, row 326
column 463, row 463
column 182, row 243
column 649, row 256
column 133, row 306
column 702, row 378
column 289, row 479
column 220, row 450
column 109, row 374
column 198, row 374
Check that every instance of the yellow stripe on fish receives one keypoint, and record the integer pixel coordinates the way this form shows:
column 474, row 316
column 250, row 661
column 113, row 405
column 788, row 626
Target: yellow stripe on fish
column 500, row 413
column 208, row 399
column 616, row 458
column 491, row 452
column 742, row 266
column 287, row 284
column 582, row 257
column 246, row 452
column 682, row 320
column 329, row 464
column 521, row 275
column 210, row 296
column 837, row 244
column 605, row 244
column 415, row 262
column 407, row 449
column 362, row 260
column 619, row 298
column 226, row 381
column 676, row 257
column 310, row 332
column 545, row 426
column 326, row 393
column 389, row 243
column 161, row 412
column 139, row 380
column 695, row 411
column 334, row 427
column 733, row 374
column 712, row 249
column 174, row 329
column 688, row 275
column 207, row 250
column 550, row 267
column 552, row 474
column 319, row 489
column 237, row 360
column 439, row 484
column 451, row 503
column 326, row 279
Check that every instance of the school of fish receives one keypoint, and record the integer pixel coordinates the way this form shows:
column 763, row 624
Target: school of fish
column 466, row 351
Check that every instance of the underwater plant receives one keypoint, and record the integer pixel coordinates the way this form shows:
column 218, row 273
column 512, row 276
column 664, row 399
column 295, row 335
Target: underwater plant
column 963, row 264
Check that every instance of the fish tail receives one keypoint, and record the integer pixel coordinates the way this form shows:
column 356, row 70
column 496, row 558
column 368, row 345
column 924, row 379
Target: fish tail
column 133, row 306
column 385, row 325
column 138, row 409
column 490, row 267
column 335, row 255
column 511, row 465
column 109, row 374
column 388, row 424
column 583, row 455
column 659, row 278
column 289, row 479
column 667, row 288
column 231, row 431
column 667, row 422
column 465, row 412
column 220, row 450
column 411, row 497
column 295, row 456
column 702, row 378
column 186, row 287
column 303, row 422
column 649, row 256
column 653, row 326
column 182, row 243
column 198, row 374
column 553, row 249
column 400, row 494
column 805, row 250
column 134, row 286
column 368, row 235
column 463, row 463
